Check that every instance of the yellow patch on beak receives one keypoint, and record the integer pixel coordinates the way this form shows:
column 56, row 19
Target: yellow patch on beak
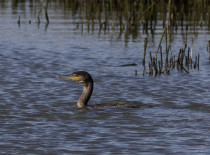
column 76, row 78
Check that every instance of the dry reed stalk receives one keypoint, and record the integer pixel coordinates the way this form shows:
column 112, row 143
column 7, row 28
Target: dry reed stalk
column 191, row 54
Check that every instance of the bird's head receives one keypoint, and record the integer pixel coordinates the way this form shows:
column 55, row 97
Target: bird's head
column 80, row 76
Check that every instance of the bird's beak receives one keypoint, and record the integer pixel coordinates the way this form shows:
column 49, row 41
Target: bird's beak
column 71, row 76
column 63, row 77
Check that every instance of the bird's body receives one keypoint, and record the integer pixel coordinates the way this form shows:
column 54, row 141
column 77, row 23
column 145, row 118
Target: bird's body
column 88, row 84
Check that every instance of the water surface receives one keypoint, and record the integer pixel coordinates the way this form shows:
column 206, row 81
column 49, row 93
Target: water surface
column 38, row 112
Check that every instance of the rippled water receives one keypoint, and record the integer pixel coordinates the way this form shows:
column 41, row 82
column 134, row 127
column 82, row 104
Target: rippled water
column 38, row 113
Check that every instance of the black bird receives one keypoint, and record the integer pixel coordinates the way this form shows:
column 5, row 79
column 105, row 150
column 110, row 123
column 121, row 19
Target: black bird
column 87, row 81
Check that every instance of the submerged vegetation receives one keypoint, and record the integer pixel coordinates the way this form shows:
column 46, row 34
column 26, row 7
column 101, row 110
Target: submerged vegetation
column 128, row 16
column 129, row 19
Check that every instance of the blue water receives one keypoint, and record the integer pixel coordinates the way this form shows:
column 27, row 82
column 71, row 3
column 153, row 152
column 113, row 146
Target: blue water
column 38, row 113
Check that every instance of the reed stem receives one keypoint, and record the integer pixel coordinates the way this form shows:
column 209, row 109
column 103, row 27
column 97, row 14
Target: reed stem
column 164, row 31
column 46, row 14
column 191, row 54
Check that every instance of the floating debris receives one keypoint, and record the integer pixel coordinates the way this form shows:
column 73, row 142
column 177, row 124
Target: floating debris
column 127, row 65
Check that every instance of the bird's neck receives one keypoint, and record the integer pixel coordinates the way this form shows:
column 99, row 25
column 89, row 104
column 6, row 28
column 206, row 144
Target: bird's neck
column 86, row 93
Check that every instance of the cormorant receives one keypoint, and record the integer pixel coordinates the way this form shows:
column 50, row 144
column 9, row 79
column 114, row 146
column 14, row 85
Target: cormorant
column 87, row 81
